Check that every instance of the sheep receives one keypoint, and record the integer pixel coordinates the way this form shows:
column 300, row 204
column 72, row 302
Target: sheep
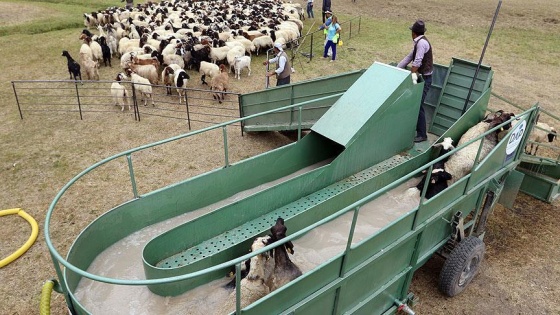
column 446, row 146
column 284, row 269
column 234, row 52
column 149, row 72
column 220, row 84
column 438, row 182
column 240, row 63
column 253, row 286
column 539, row 135
column 210, row 69
column 85, row 53
column 73, row 66
column 92, row 69
column 219, row 53
column 461, row 162
column 141, row 85
column 249, row 46
column 119, row 92
column 262, row 43
column 96, row 51
column 105, row 50
column 181, row 79
column 168, row 76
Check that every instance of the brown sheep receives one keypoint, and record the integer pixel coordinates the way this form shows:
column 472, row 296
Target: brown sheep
column 220, row 84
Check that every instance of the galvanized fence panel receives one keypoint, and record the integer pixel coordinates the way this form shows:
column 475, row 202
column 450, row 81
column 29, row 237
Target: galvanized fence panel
column 88, row 99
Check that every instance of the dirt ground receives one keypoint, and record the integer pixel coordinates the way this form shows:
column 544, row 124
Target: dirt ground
column 38, row 155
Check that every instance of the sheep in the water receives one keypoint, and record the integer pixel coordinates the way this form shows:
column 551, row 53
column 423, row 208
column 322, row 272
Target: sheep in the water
column 284, row 269
column 253, row 287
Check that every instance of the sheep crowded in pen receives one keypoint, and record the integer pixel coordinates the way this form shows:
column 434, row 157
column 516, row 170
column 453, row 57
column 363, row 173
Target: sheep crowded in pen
column 187, row 34
column 208, row 69
column 168, row 76
column 541, row 133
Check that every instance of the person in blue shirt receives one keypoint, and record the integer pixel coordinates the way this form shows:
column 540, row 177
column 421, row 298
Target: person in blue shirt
column 333, row 33
column 310, row 14
column 324, row 27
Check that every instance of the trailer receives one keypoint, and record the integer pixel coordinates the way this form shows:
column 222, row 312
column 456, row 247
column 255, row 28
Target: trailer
column 358, row 152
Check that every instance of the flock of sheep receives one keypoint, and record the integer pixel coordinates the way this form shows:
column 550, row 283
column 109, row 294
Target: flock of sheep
column 158, row 42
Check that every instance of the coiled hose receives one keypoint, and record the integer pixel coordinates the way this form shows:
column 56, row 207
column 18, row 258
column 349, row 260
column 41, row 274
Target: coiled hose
column 45, row 305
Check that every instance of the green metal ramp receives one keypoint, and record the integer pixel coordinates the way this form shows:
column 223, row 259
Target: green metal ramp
column 381, row 98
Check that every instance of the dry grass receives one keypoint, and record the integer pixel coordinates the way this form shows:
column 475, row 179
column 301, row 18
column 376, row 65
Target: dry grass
column 41, row 153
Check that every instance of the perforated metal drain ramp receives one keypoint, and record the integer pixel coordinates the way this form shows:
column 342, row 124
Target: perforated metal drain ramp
column 262, row 224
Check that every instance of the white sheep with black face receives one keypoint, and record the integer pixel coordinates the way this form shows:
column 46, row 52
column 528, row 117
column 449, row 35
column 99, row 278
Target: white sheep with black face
column 142, row 85
column 542, row 132
column 181, row 78
column 461, row 162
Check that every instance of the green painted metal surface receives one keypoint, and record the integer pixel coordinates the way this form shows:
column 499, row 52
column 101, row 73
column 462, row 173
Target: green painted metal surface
column 541, row 180
column 313, row 93
column 455, row 90
column 372, row 275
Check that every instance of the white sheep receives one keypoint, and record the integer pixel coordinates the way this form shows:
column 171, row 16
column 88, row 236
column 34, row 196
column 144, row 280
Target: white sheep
column 253, row 286
column 219, row 53
column 181, row 78
column 234, row 52
column 461, row 162
column 119, row 92
column 240, row 63
column 149, row 72
column 141, row 85
column 208, row 68
column 262, row 43
column 249, row 46
column 92, row 69
column 541, row 133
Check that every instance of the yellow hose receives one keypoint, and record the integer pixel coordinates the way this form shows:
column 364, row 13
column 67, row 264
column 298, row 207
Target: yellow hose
column 45, row 305
column 30, row 241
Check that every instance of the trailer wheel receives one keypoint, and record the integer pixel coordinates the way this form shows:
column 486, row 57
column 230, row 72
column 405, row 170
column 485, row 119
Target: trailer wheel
column 461, row 266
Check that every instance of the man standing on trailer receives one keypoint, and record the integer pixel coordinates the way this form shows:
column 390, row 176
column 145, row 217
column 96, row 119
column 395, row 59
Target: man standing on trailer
column 423, row 64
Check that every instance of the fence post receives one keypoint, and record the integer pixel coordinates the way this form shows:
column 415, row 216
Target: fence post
column 188, row 113
column 350, row 36
column 135, row 102
column 17, row 100
column 241, row 115
column 311, row 48
column 78, row 97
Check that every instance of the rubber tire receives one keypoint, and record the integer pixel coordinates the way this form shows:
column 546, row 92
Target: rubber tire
column 461, row 266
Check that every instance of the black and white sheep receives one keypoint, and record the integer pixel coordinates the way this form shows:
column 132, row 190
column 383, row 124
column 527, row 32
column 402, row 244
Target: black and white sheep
column 462, row 161
column 73, row 66
column 438, row 182
column 541, row 132
column 181, row 78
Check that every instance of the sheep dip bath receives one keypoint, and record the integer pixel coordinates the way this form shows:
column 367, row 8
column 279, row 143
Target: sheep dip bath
column 123, row 259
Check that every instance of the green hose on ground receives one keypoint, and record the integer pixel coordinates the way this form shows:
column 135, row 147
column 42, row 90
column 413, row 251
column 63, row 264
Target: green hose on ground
column 45, row 305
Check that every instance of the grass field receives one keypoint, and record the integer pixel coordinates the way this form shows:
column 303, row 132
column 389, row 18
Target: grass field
column 38, row 155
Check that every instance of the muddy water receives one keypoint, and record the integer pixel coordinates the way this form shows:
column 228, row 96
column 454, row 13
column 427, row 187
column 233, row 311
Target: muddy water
column 123, row 259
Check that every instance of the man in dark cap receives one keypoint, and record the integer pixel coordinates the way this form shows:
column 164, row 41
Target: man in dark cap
column 422, row 64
